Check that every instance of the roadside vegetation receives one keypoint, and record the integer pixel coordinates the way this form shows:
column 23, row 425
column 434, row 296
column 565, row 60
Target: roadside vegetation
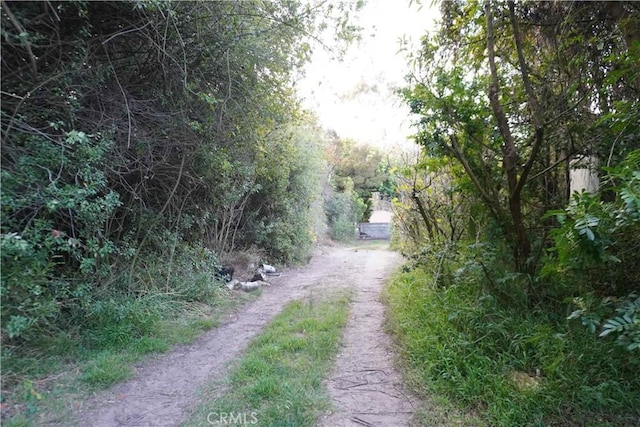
column 144, row 145
column 57, row 370
column 278, row 380
column 143, row 142
column 512, row 366
column 520, row 300
column 356, row 170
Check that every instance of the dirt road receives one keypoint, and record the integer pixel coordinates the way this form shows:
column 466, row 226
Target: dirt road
column 364, row 387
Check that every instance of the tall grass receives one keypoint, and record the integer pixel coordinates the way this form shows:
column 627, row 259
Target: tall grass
column 514, row 366
column 95, row 345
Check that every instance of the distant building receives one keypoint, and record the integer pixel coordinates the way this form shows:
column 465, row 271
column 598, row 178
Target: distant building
column 379, row 225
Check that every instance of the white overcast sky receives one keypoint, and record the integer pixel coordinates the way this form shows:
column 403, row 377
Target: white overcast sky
column 355, row 97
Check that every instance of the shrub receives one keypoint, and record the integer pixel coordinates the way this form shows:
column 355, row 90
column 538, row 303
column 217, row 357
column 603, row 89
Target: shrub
column 343, row 209
column 596, row 255
column 55, row 206
column 519, row 367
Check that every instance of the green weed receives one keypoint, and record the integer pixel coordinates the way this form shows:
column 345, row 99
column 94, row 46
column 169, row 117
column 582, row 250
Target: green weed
column 107, row 369
column 278, row 381
column 513, row 366
column 117, row 334
column 18, row 421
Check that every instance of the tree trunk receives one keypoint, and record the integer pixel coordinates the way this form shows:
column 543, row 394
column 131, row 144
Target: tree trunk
column 522, row 246
column 423, row 213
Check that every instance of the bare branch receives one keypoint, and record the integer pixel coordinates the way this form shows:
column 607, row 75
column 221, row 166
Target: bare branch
column 21, row 30
column 509, row 146
column 122, row 33
column 532, row 101
column 457, row 152
column 124, row 97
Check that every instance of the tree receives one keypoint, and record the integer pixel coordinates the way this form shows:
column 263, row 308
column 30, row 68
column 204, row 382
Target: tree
column 131, row 130
column 358, row 168
column 497, row 94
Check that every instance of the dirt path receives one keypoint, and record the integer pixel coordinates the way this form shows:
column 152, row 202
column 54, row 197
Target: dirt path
column 364, row 386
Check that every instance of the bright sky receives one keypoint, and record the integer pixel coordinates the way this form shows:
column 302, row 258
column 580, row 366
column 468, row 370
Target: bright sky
column 355, row 97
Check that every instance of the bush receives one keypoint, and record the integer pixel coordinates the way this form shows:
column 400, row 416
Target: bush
column 55, row 205
column 287, row 240
column 169, row 266
column 595, row 261
column 343, row 210
column 517, row 367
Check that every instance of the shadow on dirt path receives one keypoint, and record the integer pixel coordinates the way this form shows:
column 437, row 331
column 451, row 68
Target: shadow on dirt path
column 364, row 386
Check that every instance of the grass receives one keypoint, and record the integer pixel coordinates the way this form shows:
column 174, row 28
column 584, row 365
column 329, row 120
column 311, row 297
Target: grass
column 39, row 380
column 278, row 381
column 511, row 366
column 107, row 369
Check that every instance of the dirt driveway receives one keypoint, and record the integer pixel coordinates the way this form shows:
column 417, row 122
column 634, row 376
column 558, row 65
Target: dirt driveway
column 364, row 387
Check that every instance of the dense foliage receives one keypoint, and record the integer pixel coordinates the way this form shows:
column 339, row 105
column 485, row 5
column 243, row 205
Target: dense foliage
column 356, row 171
column 140, row 138
column 511, row 99
column 510, row 365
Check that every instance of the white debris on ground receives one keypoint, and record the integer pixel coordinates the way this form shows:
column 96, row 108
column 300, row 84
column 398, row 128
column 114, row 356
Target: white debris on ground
column 259, row 279
column 247, row 286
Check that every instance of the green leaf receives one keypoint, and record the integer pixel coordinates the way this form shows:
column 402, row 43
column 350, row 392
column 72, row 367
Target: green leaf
column 589, row 234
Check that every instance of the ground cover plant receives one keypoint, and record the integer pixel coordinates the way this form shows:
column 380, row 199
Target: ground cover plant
column 39, row 379
column 512, row 366
column 278, row 380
